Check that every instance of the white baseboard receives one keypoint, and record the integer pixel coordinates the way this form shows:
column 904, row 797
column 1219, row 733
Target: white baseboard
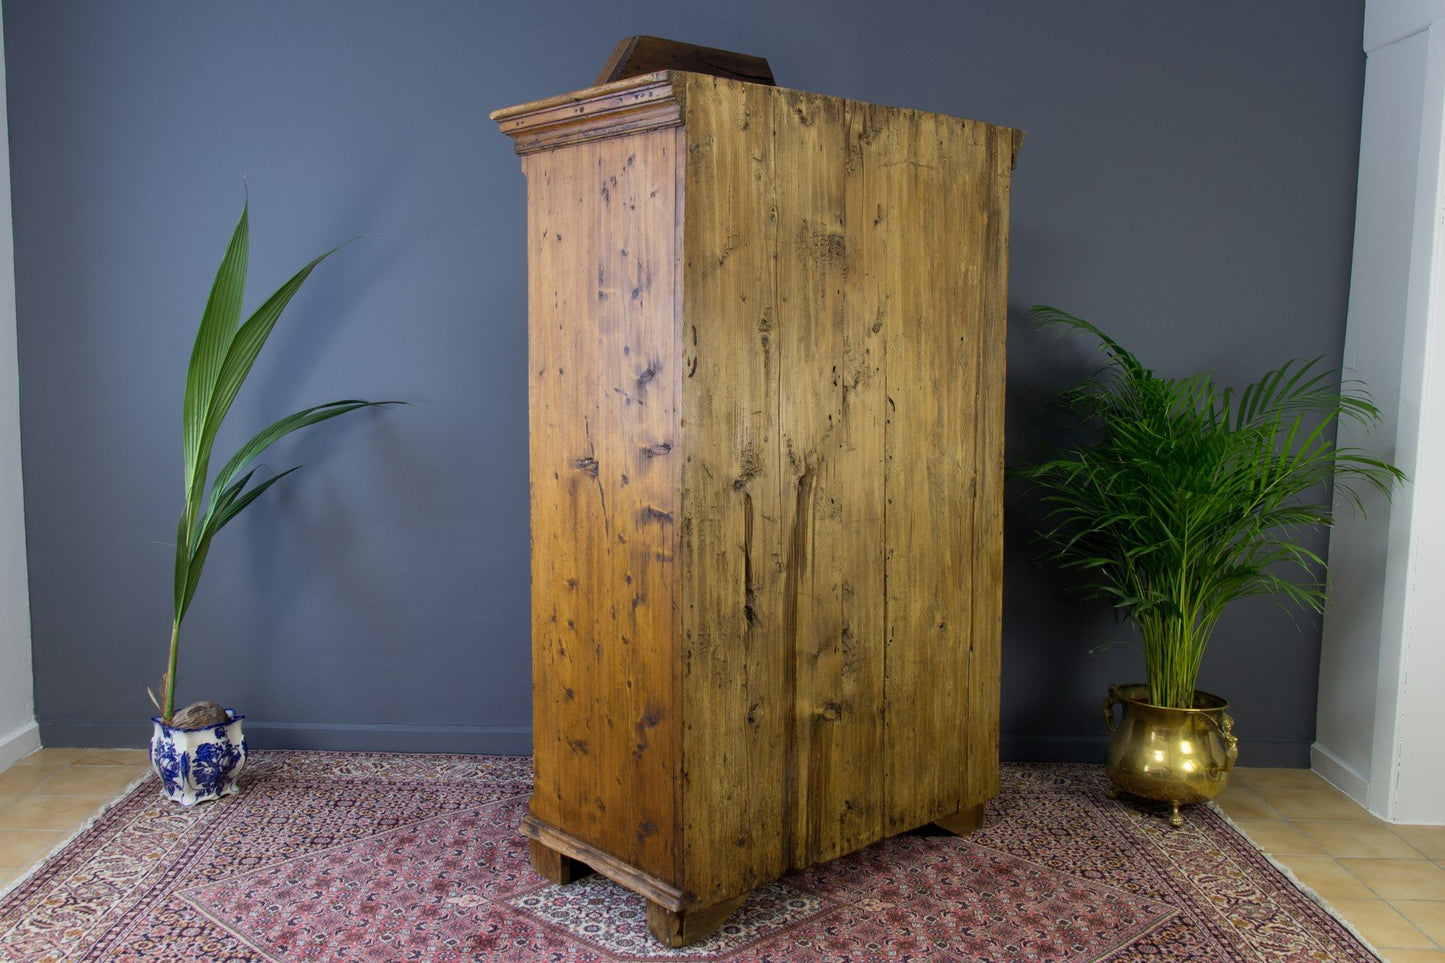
column 18, row 744
column 1335, row 771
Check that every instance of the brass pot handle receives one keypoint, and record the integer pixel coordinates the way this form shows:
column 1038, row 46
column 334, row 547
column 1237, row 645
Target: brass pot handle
column 1110, row 701
column 1224, row 725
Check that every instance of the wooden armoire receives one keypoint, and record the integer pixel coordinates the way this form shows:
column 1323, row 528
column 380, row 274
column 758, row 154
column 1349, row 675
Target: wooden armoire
column 766, row 406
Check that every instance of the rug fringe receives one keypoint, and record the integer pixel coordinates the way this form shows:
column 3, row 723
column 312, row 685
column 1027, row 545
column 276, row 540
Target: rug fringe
column 1299, row 883
column 36, row 866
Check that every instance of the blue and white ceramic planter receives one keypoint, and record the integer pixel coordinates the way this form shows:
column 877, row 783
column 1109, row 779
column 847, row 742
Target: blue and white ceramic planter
column 197, row 765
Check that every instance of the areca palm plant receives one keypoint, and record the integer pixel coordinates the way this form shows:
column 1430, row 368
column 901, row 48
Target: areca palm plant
column 224, row 351
column 1187, row 495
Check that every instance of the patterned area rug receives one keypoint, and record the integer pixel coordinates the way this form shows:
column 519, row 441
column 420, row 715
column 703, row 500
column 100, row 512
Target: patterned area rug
column 354, row 857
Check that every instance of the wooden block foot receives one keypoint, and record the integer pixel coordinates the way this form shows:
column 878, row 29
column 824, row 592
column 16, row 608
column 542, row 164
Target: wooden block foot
column 558, row 867
column 676, row 928
column 962, row 822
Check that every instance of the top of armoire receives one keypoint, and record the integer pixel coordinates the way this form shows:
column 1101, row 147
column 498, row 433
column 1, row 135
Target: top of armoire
column 650, row 101
column 646, row 102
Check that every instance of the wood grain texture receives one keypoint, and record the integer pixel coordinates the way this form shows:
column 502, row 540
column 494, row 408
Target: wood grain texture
column 634, row 105
column 963, row 822
column 606, row 498
column 548, row 843
column 555, row 866
column 932, row 339
column 737, row 669
column 767, row 429
column 830, row 417
column 989, row 302
column 677, row 928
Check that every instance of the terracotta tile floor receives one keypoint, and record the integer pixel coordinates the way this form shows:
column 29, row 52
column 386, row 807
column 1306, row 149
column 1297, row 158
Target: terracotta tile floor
column 48, row 795
column 1388, row 881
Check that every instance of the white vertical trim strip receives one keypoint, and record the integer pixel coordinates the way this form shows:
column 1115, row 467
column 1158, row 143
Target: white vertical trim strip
column 17, row 689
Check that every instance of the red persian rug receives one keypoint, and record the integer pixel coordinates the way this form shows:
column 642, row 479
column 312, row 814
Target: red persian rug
column 332, row 857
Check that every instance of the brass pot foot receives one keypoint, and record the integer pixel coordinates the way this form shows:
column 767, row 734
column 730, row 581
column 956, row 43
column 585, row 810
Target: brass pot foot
column 1175, row 819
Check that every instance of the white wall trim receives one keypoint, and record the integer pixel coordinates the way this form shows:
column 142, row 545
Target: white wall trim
column 1364, row 618
column 17, row 745
column 1339, row 774
column 1421, row 306
column 1415, row 788
column 17, row 687
column 1381, row 658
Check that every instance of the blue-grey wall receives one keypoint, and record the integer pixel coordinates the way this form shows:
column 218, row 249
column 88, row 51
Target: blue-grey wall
column 1188, row 182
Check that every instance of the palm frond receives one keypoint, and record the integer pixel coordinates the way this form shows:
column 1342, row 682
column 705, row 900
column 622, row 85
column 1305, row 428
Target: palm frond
column 223, row 355
column 1188, row 495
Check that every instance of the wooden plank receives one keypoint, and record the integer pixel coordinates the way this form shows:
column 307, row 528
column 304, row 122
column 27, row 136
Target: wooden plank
column 558, row 564
column 831, row 436
column 605, row 379
column 735, row 655
column 565, row 846
column 931, row 167
column 643, row 55
column 985, row 550
column 860, row 660
column 556, row 866
column 641, row 364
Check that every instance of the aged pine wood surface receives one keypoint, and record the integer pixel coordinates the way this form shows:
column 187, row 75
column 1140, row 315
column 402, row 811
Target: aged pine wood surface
column 963, row 822
column 767, row 385
column 989, row 299
column 605, row 494
column 561, row 857
column 734, row 648
column 677, row 929
column 555, row 865
column 944, row 367
column 831, row 449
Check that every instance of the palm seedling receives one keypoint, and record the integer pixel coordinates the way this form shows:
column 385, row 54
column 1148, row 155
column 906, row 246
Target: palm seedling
column 1186, row 495
column 224, row 352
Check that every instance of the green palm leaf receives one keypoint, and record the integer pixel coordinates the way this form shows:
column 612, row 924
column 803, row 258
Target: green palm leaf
column 223, row 355
column 239, row 355
column 218, row 327
column 279, row 429
column 1187, row 495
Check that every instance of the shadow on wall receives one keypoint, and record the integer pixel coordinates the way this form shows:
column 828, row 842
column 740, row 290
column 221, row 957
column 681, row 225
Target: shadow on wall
column 1055, row 685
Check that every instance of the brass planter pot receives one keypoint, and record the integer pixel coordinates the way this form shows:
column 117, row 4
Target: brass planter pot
column 1178, row 756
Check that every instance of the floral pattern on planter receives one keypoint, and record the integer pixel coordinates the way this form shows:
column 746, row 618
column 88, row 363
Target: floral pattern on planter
column 198, row 765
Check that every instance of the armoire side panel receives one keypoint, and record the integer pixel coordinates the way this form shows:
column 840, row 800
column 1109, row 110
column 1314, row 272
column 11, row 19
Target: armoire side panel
column 605, row 379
